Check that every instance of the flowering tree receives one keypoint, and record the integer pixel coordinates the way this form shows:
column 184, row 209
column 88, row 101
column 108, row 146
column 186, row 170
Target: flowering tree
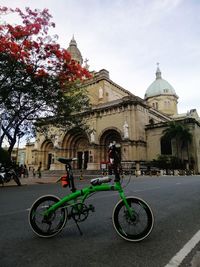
column 38, row 79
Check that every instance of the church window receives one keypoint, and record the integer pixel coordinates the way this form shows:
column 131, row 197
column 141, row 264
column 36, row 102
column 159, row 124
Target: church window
column 167, row 104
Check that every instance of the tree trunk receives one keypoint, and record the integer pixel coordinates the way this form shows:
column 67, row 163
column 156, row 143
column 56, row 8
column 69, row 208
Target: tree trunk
column 11, row 145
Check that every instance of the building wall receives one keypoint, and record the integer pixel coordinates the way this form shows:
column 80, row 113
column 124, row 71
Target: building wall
column 102, row 90
column 106, row 124
column 116, row 115
column 194, row 147
column 29, row 155
column 155, row 132
column 165, row 103
column 153, row 142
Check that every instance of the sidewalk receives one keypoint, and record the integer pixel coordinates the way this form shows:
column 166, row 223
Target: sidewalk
column 33, row 180
column 45, row 179
column 51, row 179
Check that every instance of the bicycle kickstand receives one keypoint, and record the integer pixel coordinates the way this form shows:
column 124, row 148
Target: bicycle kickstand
column 79, row 229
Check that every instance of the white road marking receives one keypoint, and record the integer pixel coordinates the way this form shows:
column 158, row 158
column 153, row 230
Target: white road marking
column 146, row 189
column 13, row 212
column 179, row 257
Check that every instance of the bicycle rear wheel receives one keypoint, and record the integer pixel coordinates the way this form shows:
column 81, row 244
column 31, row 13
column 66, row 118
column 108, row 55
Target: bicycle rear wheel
column 137, row 227
column 47, row 226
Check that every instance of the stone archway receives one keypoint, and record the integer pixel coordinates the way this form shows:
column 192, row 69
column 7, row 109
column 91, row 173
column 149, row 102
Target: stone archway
column 76, row 145
column 47, row 151
column 109, row 136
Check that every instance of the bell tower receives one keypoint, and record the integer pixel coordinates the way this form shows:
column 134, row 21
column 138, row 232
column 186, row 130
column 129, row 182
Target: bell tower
column 74, row 51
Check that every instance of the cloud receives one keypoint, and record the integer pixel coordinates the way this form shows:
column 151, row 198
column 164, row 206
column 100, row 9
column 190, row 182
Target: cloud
column 128, row 37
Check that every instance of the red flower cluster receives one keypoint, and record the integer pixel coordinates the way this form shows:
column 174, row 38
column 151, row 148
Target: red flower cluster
column 29, row 43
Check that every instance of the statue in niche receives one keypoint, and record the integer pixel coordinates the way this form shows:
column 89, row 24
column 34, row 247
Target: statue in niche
column 92, row 137
column 56, row 142
column 125, row 128
column 100, row 92
column 36, row 144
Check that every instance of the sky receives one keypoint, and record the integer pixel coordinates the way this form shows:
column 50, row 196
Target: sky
column 129, row 37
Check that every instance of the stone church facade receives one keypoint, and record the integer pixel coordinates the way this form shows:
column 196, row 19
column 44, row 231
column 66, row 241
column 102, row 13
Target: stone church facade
column 118, row 116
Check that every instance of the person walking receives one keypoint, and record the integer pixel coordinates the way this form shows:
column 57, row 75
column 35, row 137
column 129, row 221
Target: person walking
column 39, row 170
column 21, row 171
column 25, row 171
column 33, row 170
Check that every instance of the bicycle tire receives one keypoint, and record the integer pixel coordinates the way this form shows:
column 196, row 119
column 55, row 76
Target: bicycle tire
column 51, row 225
column 137, row 228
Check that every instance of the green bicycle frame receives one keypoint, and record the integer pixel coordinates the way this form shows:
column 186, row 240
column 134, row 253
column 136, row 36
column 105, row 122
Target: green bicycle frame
column 85, row 192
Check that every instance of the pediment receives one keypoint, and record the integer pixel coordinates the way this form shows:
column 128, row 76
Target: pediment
column 102, row 90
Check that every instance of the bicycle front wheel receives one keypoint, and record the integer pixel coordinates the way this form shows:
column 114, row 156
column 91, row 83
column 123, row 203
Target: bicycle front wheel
column 47, row 226
column 136, row 227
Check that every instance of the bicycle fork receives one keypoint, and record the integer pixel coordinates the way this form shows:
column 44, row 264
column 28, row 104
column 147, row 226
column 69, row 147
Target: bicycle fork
column 129, row 209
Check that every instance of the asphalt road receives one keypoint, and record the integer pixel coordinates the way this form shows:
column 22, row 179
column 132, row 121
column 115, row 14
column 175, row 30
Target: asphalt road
column 175, row 202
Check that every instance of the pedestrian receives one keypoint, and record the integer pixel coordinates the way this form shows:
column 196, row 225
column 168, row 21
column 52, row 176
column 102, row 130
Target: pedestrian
column 25, row 171
column 21, row 171
column 33, row 172
column 39, row 170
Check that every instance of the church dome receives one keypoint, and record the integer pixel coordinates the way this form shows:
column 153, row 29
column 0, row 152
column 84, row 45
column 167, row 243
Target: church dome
column 74, row 51
column 159, row 87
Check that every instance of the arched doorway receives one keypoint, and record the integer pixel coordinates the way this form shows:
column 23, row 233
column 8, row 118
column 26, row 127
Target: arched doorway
column 47, row 154
column 165, row 144
column 76, row 144
column 109, row 136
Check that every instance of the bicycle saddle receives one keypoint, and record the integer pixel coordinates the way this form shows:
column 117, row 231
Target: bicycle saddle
column 66, row 160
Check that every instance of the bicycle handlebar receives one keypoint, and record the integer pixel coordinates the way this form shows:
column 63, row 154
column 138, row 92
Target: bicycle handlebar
column 114, row 159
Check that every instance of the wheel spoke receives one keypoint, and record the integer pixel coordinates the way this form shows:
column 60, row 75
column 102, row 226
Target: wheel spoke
column 50, row 225
column 136, row 227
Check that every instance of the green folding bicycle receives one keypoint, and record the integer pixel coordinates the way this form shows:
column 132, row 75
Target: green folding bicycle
column 132, row 217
